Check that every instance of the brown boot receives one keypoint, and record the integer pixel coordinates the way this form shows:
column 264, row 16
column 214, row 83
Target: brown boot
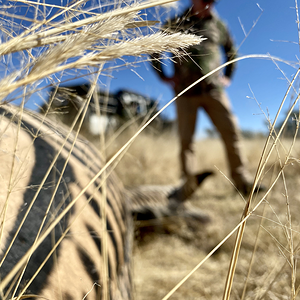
column 189, row 186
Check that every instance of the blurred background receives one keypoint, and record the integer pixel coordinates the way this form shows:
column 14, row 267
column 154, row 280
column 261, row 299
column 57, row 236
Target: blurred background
column 258, row 86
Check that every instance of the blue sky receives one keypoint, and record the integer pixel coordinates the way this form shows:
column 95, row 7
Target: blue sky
column 275, row 33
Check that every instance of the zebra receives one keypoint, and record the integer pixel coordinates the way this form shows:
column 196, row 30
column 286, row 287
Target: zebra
column 66, row 228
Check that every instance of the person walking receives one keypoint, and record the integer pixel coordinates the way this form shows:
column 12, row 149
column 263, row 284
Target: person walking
column 209, row 94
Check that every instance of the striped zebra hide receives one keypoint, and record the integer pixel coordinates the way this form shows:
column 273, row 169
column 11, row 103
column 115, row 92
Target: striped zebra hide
column 66, row 229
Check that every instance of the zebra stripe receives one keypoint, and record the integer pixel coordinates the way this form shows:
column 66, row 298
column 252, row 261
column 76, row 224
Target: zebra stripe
column 74, row 269
column 69, row 261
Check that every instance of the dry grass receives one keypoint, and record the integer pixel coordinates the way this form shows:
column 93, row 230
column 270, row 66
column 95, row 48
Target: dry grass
column 68, row 38
column 162, row 260
column 270, row 242
column 151, row 159
column 268, row 254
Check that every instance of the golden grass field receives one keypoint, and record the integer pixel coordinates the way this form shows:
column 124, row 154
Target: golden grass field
column 271, row 241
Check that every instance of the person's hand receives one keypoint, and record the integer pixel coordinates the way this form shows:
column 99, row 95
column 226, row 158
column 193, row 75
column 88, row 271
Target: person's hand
column 170, row 80
column 225, row 81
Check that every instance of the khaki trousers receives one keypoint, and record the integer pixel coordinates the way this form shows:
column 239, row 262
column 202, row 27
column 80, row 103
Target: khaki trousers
column 217, row 106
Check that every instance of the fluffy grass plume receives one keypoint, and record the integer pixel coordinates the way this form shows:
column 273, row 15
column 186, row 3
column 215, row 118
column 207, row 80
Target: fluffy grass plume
column 41, row 43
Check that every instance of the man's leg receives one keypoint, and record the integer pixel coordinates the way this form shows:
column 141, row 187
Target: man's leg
column 186, row 118
column 218, row 108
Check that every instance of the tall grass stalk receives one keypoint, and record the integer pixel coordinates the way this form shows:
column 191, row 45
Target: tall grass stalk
column 247, row 211
column 71, row 45
column 264, row 159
